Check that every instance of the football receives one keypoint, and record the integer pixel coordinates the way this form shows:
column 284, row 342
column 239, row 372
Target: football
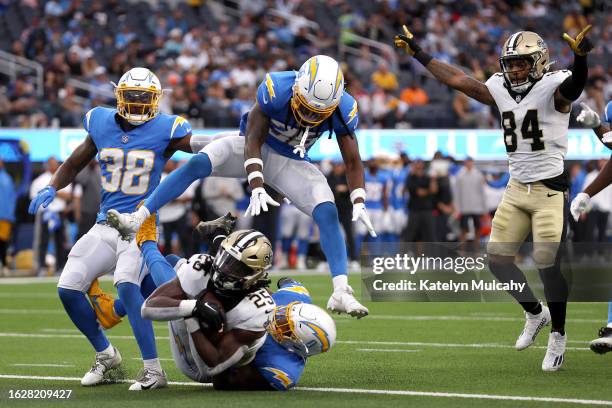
column 213, row 336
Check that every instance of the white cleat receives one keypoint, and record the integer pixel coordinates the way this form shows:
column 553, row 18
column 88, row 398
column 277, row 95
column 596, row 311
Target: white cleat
column 603, row 344
column 533, row 324
column 553, row 360
column 343, row 301
column 149, row 379
column 104, row 362
column 127, row 224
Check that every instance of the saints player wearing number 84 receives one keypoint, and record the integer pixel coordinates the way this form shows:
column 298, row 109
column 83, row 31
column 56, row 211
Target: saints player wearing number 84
column 132, row 144
column 535, row 105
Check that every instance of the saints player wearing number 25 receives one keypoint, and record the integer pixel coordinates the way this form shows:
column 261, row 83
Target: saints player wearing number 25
column 535, row 106
column 132, row 144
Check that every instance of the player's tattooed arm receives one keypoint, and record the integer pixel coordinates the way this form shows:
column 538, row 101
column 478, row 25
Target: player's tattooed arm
column 77, row 161
column 230, row 350
column 183, row 144
column 459, row 80
column 165, row 303
column 256, row 131
column 352, row 160
column 246, row 378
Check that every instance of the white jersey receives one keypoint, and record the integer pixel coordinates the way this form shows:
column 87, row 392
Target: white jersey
column 250, row 314
column 535, row 133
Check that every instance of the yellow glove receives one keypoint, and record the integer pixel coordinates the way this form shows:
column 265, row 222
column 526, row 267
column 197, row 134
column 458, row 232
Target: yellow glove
column 147, row 231
column 580, row 45
column 406, row 41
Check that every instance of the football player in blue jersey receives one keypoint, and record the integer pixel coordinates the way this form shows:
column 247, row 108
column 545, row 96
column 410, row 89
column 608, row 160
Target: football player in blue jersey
column 590, row 118
column 132, row 144
column 377, row 200
column 293, row 110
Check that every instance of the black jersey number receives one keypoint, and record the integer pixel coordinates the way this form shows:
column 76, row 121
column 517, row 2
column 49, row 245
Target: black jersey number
column 261, row 299
column 530, row 129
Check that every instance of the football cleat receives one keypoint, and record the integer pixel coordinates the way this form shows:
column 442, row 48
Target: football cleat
column 126, row 224
column 104, row 362
column 533, row 325
column 147, row 231
column 103, row 304
column 603, row 344
column 553, row 360
column 224, row 225
column 343, row 301
column 149, row 379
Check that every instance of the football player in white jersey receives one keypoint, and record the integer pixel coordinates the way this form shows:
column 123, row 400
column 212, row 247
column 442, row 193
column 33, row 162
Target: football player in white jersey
column 535, row 105
column 235, row 271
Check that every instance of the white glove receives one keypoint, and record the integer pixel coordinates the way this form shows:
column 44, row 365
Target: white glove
column 259, row 201
column 607, row 137
column 360, row 213
column 588, row 117
column 579, row 205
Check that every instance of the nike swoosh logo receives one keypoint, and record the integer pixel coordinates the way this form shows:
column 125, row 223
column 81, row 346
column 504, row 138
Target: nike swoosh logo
column 146, row 387
column 269, row 311
column 550, row 195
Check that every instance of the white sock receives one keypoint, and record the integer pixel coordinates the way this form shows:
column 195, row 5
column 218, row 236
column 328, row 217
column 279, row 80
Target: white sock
column 610, row 325
column 110, row 351
column 152, row 364
column 340, row 281
column 143, row 213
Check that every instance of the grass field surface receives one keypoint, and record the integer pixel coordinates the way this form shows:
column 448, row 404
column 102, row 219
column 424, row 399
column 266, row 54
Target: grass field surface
column 403, row 354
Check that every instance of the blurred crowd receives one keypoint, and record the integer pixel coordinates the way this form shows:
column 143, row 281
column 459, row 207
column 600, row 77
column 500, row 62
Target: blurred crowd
column 441, row 200
column 211, row 55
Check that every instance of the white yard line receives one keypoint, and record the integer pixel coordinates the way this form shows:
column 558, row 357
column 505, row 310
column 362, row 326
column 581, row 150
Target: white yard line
column 356, row 342
column 387, row 350
column 407, row 393
column 41, row 365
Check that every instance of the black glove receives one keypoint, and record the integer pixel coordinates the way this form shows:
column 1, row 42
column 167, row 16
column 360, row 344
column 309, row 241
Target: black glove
column 406, row 41
column 210, row 315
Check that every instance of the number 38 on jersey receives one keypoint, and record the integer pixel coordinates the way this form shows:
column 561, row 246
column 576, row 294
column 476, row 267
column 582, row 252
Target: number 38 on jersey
column 126, row 171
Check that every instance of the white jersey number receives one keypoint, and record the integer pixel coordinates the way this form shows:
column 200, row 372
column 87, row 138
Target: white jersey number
column 529, row 130
column 131, row 172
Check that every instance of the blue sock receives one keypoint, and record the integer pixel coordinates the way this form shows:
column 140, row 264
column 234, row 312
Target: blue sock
column 143, row 329
column 332, row 240
column 159, row 268
column 172, row 259
column 286, row 245
column 302, row 248
column 146, row 288
column 610, row 313
column 176, row 183
column 83, row 316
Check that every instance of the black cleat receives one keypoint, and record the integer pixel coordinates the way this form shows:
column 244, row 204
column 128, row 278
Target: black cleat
column 222, row 226
column 603, row 344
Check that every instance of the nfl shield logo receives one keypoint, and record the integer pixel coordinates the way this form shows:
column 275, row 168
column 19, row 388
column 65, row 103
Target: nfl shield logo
column 124, row 139
column 518, row 99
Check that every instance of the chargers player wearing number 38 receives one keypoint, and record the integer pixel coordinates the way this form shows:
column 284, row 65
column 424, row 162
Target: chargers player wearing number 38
column 132, row 144
column 293, row 109
column 535, row 105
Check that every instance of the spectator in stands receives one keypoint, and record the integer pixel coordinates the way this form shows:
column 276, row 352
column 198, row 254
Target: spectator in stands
column 51, row 220
column 384, row 78
column 8, row 193
column 413, row 95
column 471, row 114
column 421, row 189
column 221, row 195
column 470, row 199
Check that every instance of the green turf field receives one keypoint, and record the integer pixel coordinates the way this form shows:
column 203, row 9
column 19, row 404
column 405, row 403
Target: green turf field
column 403, row 354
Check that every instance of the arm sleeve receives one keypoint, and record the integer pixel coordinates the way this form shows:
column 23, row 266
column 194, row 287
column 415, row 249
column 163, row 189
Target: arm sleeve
column 573, row 85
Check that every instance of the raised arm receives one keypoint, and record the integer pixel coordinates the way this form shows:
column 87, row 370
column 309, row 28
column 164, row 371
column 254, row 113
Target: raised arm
column 443, row 72
column 572, row 87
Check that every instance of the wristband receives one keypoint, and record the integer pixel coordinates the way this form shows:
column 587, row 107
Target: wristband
column 357, row 193
column 423, row 57
column 254, row 174
column 186, row 307
column 192, row 324
column 253, row 160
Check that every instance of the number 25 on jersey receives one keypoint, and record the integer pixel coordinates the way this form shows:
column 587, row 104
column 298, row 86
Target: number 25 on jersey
column 129, row 171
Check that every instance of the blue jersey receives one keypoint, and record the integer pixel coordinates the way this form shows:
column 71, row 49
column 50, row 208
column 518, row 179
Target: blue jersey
column 375, row 188
column 279, row 366
column 608, row 113
column 274, row 98
column 398, row 180
column 131, row 162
